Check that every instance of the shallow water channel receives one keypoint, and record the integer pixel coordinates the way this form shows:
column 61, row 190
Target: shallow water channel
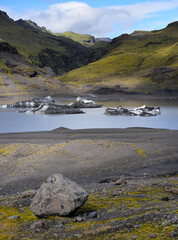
column 13, row 121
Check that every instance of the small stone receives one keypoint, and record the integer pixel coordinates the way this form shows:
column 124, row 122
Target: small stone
column 79, row 219
column 134, row 237
column 174, row 191
column 116, row 193
column 14, row 217
column 153, row 235
column 136, row 226
column 165, row 199
column 78, row 236
column 166, row 223
column 174, row 220
column 38, row 224
column 55, row 235
column 28, row 193
column 93, row 214
column 121, row 180
column 61, row 226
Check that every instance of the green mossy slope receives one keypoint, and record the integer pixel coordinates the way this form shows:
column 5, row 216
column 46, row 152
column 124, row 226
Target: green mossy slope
column 84, row 39
column 142, row 60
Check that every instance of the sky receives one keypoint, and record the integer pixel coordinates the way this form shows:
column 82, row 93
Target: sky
column 100, row 18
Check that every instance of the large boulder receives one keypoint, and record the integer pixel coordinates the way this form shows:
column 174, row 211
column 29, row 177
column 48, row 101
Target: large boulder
column 58, row 196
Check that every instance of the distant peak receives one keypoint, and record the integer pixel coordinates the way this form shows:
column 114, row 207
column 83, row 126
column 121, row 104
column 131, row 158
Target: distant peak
column 3, row 14
column 20, row 21
column 173, row 24
column 28, row 24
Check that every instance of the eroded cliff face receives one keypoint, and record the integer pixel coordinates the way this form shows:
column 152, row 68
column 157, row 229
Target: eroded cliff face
column 18, row 76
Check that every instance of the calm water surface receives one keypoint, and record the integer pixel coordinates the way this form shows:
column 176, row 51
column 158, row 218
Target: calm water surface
column 12, row 121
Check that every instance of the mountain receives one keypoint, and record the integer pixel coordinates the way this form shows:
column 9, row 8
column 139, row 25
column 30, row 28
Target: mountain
column 142, row 61
column 42, row 48
column 32, row 57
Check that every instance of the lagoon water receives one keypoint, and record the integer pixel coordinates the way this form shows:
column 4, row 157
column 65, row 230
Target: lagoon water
column 13, row 121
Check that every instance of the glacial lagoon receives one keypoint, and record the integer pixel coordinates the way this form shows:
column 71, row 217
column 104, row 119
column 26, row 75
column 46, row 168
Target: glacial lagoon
column 13, row 121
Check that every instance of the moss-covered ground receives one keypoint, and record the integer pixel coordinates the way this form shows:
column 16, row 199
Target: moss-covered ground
column 136, row 210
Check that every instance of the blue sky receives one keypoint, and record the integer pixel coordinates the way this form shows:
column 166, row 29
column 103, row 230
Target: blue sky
column 100, row 18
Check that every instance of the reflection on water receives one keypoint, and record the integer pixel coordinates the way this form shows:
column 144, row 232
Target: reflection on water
column 12, row 121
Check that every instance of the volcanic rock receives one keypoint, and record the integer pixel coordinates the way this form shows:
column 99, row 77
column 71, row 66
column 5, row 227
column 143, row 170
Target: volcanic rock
column 58, row 196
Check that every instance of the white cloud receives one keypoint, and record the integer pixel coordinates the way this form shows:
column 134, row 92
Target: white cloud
column 141, row 10
column 80, row 17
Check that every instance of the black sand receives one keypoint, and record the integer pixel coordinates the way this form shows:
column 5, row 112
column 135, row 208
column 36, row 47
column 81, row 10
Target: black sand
column 86, row 156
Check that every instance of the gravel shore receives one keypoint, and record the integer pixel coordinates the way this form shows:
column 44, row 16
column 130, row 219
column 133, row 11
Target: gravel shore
column 86, row 156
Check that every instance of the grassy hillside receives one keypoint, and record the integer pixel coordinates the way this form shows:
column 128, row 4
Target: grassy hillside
column 85, row 39
column 42, row 48
column 142, row 61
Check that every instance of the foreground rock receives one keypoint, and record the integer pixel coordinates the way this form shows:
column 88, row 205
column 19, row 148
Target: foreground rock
column 84, row 103
column 58, row 196
column 143, row 111
column 52, row 108
column 34, row 102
